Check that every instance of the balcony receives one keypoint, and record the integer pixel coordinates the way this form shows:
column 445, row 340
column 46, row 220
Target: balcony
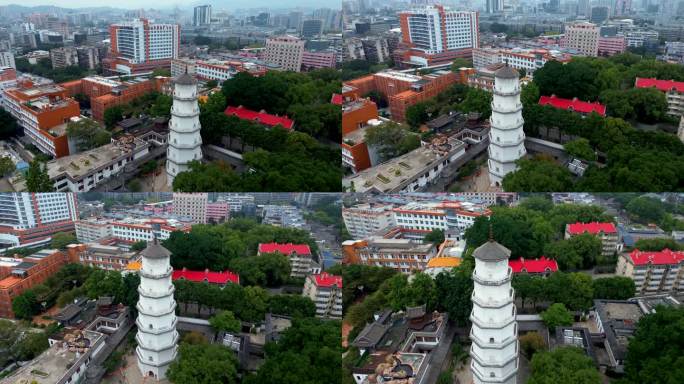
column 493, row 282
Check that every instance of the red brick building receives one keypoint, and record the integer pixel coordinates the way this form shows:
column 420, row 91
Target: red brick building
column 18, row 275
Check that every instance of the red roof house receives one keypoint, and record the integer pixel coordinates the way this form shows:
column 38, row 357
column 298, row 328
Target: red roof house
column 665, row 256
column 262, row 117
column 575, row 105
column 221, row 278
column 593, row 228
column 540, row 265
column 327, row 280
column 337, row 99
column 662, row 85
column 285, row 249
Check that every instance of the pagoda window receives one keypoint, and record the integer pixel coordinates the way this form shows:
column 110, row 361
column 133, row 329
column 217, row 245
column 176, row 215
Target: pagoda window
column 491, row 340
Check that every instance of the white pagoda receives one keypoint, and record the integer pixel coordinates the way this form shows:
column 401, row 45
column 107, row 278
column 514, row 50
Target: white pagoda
column 185, row 141
column 494, row 332
column 506, row 137
column 157, row 336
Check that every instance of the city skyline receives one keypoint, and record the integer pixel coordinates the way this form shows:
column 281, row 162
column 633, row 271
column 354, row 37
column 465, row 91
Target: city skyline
column 135, row 4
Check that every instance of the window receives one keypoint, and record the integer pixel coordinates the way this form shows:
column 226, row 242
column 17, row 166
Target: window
column 491, row 340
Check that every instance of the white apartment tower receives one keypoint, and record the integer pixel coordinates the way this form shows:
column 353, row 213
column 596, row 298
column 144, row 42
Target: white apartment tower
column 141, row 41
column 7, row 59
column 202, row 15
column 157, row 336
column 494, row 332
column 506, row 136
column 286, row 51
column 583, row 37
column 185, row 142
column 193, row 205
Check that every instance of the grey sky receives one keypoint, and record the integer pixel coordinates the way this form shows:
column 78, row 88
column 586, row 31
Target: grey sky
column 231, row 4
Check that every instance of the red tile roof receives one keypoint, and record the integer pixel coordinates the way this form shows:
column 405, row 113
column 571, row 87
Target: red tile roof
column 573, row 105
column 285, row 249
column 540, row 265
column 327, row 280
column 593, row 228
column 665, row 256
column 663, row 85
column 259, row 117
column 208, row 276
column 337, row 99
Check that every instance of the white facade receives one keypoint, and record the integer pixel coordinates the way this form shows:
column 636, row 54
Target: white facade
column 193, row 205
column 28, row 210
column 7, row 59
column 202, row 15
column 157, row 336
column 364, row 220
column 583, row 37
column 325, row 291
column 140, row 41
column 494, row 332
column 286, row 51
column 185, row 142
column 506, row 137
column 428, row 26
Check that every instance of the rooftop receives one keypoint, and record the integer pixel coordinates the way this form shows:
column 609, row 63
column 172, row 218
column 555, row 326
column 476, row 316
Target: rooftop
column 444, row 262
column 53, row 364
column 593, row 228
column 573, row 104
column 395, row 174
column 82, row 164
column 666, row 256
column 541, row 265
column 663, row 85
column 285, row 249
column 327, row 280
column 207, row 275
column 259, row 117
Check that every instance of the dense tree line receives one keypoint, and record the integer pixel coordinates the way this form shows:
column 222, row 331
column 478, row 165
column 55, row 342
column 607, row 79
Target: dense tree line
column 563, row 365
column 657, row 343
column 309, row 352
column 217, row 246
column 44, row 68
column 534, row 227
column 248, row 304
column 574, row 290
column 457, row 98
column 29, row 302
column 20, row 344
column 304, row 97
column 635, row 160
column 391, row 140
column 360, row 280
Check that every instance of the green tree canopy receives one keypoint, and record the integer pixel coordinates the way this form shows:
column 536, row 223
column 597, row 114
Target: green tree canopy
column 391, row 139
column 203, row 363
column 581, row 149
column 60, row 240
column 613, row 288
column 436, row 237
column 539, row 174
column 37, row 178
column 563, row 365
column 657, row 343
column 225, row 321
column 88, row 134
column 556, row 315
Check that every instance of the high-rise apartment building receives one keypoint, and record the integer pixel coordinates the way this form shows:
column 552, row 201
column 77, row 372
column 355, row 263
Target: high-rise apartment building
column 435, row 34
column 32, row 218
column 286, row 51
column 362, row 221
column 583, row 37
column 7, row 59
column 653, row 272
column 88, row 57
column 202, row 15
column 192, row 205
column 325, row 290
column 494, row 6
column 312, row 28
column 63, row 57
column 140, row 45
